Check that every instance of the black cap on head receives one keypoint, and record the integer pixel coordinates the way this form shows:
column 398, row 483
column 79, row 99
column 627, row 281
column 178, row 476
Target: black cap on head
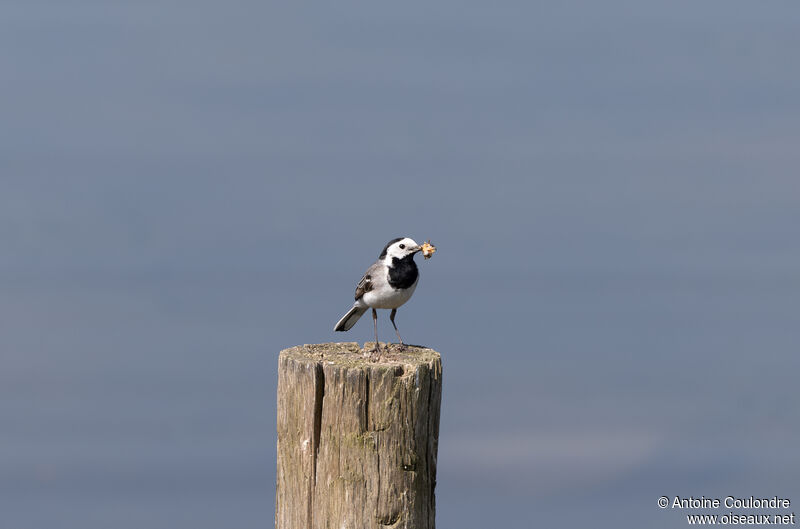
column 385, row 248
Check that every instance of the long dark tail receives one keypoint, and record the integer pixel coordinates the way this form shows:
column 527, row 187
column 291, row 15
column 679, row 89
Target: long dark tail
column 350, row 319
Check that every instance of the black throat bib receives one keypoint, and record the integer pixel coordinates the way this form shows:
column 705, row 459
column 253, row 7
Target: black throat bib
column 403, row 272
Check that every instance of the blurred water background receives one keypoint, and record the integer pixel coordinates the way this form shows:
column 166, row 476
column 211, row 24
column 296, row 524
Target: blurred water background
column 189, row 187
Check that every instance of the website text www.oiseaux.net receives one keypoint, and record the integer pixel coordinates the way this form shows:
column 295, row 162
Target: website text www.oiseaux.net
column 740, row 519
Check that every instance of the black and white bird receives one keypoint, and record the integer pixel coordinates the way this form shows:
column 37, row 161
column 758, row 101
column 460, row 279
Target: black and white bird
column 387, row 284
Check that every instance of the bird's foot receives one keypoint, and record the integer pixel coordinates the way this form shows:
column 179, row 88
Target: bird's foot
column 375, row 353
column 401, row 346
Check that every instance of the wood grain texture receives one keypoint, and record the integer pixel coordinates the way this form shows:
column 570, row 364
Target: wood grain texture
column 357, row 440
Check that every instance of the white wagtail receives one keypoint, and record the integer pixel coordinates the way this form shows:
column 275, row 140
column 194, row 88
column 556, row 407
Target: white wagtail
column 387, row 284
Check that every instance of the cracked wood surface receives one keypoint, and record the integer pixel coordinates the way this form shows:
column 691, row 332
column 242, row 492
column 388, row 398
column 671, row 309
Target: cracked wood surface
column 357, row 440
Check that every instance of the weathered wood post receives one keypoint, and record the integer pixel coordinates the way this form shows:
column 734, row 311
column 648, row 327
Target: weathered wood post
column 357, row 440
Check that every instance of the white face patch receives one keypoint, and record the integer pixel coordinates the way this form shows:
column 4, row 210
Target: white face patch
column 401, row 248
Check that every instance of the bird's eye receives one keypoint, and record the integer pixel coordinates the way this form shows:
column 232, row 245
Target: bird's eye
column 402, row 246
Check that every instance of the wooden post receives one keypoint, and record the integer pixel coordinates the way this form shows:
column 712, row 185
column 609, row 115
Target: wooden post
column 357, row 440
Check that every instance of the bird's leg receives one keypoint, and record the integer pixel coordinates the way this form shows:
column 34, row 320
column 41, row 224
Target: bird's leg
column 375, row 322
column 391, row 317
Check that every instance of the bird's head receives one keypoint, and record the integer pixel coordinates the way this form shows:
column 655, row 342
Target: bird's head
column 399, row 248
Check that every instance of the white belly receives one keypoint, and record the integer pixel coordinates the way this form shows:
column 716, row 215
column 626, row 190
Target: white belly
column 387, row 297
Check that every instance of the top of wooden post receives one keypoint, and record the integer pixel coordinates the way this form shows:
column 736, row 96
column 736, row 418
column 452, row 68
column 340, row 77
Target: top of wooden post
column 349, row 354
